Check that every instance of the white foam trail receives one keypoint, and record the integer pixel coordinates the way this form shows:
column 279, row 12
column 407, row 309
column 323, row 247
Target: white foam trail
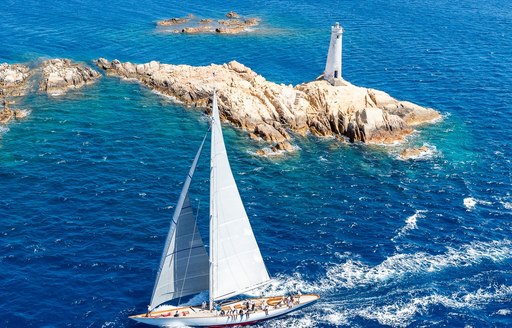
column 352, row 273
column 410, row 223
column 401, row 313
column 294, row 321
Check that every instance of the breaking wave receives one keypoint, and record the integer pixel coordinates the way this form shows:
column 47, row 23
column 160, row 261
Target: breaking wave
column 410, row 223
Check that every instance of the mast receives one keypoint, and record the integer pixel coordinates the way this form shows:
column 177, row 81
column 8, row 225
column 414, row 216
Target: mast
column 214, row 118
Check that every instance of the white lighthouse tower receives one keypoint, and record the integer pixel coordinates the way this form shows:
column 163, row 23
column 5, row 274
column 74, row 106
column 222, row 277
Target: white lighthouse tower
column 332, row 71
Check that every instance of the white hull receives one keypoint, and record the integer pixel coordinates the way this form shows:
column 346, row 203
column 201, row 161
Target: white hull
column 195, row 317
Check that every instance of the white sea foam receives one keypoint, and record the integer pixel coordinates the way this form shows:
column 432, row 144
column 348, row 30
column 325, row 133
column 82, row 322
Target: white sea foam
column 410, row 223
column 471, row 202
column 507, row 205
column 269, row 152
column 504, row 312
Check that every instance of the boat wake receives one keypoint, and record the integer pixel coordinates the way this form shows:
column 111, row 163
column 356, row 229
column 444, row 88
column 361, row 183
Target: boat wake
column 402, row 312
column 354, row 273
column 397, row 310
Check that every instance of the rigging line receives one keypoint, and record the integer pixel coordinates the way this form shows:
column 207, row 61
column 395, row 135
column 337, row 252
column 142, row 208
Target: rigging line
column 189, row 252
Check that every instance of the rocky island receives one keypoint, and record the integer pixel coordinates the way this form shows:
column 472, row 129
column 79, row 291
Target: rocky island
column 234, row 24
column 272, row 111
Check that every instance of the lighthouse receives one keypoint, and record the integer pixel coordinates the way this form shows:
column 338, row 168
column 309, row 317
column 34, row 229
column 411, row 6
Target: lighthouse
column 332, row 71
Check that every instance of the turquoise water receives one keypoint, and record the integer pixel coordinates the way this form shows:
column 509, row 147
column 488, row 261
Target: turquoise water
column 89, row 179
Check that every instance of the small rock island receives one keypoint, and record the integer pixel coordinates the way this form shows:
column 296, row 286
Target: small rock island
column 234, row 24
column 270, row 111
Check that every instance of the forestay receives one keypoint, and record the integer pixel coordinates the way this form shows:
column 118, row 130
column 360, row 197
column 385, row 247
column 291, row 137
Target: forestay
column 184, row 265
column 237, row 264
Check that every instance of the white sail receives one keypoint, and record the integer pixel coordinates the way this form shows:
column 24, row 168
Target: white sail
column 184, row 265
column 236, row 262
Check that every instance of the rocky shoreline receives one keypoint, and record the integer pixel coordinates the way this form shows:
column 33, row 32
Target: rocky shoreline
column 271, row 111
column 234, row 24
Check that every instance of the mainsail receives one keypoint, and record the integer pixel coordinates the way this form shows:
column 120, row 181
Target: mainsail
column 184, row 265
column 236, row 262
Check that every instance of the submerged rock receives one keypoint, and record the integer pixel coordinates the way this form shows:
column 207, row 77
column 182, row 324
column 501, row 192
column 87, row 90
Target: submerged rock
column 270, row 111
column 21, row 113
column 410, row 153
column 61, row 75
column 6, row 115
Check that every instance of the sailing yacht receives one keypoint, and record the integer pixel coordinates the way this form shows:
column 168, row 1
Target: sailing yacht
column 233, row 266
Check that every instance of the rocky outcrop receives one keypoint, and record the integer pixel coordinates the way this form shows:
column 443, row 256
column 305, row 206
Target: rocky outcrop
column 271, row 111
column 7, row 114
column 14, row 80
column 61, row 75
column 234, row 26
column 175, row 21
column 189, row 25
column 232, row 14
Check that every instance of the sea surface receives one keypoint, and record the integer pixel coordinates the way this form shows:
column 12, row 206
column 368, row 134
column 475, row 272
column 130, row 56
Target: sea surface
column 89, row 180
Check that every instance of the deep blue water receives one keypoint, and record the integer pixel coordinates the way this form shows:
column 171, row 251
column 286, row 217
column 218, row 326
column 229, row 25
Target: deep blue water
column 89, row 180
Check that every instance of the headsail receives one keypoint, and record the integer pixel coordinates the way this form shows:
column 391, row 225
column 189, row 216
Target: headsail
column 236, row 262
column 184, row 265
